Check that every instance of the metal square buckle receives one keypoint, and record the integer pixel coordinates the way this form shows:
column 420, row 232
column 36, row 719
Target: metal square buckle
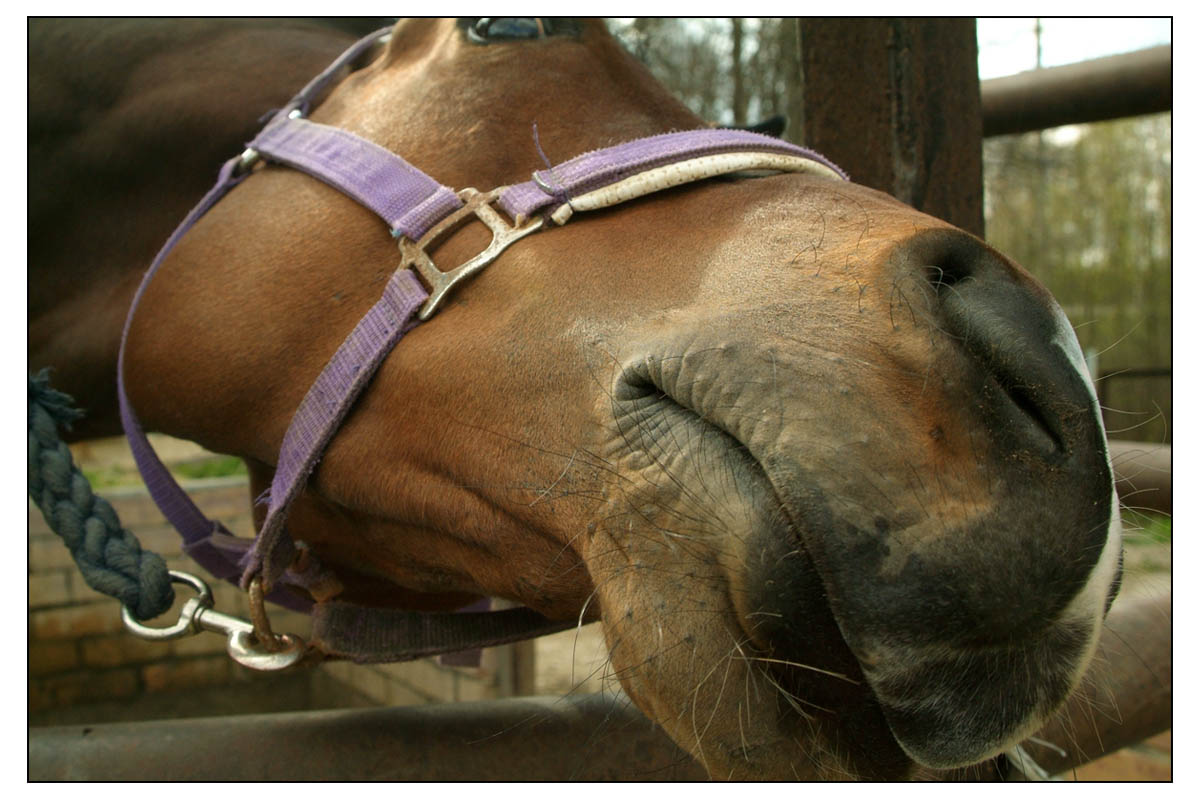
column 414, row 255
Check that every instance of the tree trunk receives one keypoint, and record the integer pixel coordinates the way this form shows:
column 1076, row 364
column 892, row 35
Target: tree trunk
column 738, row 72
column 895, row 102
column 793, row 74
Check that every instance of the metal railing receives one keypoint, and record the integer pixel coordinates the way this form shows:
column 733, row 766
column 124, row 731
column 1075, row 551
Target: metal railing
column 1126, row 85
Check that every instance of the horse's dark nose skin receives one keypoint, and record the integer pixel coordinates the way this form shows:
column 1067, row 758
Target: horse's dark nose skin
column 1019, row 593
column 973, row 600
column 1011, row 329
column 1036, row 436
column 946, row 532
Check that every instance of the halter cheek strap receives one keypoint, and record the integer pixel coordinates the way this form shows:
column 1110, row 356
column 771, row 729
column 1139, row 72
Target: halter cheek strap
column 416, row 209
column 408, row 200
column 207, row 542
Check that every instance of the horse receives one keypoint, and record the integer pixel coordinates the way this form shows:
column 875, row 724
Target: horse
column 829, row 470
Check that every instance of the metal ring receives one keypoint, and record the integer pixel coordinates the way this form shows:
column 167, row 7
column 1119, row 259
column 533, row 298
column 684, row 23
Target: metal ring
column 262, row 623
column 186, row 624
column 246, row 649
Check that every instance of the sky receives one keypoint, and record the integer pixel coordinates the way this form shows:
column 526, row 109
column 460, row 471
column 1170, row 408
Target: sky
column 1007, row 45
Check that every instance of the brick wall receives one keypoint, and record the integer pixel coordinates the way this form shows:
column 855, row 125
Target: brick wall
column 79, row 651
column 81, row 655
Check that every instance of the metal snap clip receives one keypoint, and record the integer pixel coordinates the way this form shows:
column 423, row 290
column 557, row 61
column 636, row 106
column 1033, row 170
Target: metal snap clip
column 245, row 644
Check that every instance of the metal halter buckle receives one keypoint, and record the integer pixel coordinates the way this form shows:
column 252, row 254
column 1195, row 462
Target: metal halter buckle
column 413, row 254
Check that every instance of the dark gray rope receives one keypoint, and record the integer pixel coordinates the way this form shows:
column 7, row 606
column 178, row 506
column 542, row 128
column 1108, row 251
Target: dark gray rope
column 110, row 558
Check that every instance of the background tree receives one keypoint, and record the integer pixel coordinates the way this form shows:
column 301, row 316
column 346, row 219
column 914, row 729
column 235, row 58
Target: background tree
column 1098, row 234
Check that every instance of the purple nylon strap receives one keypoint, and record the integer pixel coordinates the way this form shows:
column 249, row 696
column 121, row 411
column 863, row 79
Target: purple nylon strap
column 206, row 541
column 209, row 543
column 375, row 635
column 321, row 413
column 600, row 168
column 312, row 427
column 411, row 202
column 195, row 528
column 408, row 200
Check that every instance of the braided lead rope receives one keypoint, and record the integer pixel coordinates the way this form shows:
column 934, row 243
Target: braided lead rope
column 110, row 558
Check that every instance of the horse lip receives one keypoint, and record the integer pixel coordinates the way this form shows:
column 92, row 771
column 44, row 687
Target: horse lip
column 920, row 734
column 981, row 710
column 798, row 620
column 641, row 390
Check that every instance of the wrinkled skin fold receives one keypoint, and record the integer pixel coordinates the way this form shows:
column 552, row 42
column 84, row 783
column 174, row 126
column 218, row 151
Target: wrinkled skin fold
column 829, row 470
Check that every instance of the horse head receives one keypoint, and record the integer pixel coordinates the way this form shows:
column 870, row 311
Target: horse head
column 830, row 470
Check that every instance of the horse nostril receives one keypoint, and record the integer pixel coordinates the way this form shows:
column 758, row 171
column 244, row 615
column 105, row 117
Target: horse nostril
column 944, row 258
column 940, row 278
column 1013, row 338
column 945, row 272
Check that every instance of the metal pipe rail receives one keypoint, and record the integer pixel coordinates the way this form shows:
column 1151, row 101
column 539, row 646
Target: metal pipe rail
column 594, row 737
column 1113, row 87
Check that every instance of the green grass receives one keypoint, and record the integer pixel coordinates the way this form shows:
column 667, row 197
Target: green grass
column 1146, row 527
column 109, row 476
column 215, row 467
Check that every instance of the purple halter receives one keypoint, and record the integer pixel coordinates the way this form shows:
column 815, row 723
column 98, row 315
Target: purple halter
column 416, row 208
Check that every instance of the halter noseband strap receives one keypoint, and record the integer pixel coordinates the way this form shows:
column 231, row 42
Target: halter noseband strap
column 415, row 208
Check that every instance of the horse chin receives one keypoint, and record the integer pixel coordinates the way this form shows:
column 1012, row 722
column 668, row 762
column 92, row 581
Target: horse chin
column 955, row 704
column 945, row 700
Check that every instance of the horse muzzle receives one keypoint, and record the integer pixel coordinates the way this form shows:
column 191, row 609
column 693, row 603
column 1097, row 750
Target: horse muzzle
column 947, row 534
column 969, row 568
